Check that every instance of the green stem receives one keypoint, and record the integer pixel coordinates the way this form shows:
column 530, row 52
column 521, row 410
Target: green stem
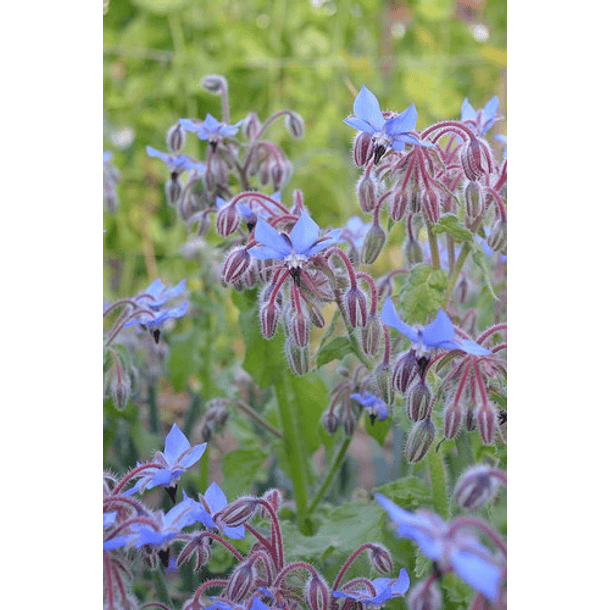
column 436, row 468
column 294, row 449
column 154, row 423
column 160, row 587
column 456, row 272
column 254, row 415
column 436, row 261
column 464, row 450
column 330, row 475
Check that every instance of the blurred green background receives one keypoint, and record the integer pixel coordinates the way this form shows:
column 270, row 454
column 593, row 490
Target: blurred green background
column 311, row 56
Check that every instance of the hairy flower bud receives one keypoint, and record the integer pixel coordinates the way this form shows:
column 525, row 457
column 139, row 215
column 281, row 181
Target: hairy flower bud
column 298, row 357
column 355, row 305
column 452, row 419
column 370, row 334
column 373, row 244
column 330, row 422
column 405, row 370
column 227, row 220
column 383, row 377
column 236, row 265
column 299, row 328
column 241, row 581
column 400, row 200
column 317, row 594
column 425, row 596
column 416, row 200
column 418, row 401
column 476, row 487
column 251, row 126
column 431, row 206
column 476, row 159
column 280, row 173
column 497, row 236
column 486, row 420
column 474, row 199
column 217, row 173
column 470, row 420
column 119, row 386
column 414, row 253
column 176, row 138
column 269, row 316
column 214, row 83
column 419, row 440
column 348, row 419
column 295, row 125
column 173, row 191
column 238, row 512
column 364, row 148
column 366, row 190
column 381, row 559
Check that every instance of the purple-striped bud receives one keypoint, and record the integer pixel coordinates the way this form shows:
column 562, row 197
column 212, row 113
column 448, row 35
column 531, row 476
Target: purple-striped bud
column 214, row 83
column 366, row 190
column 119, row 385
column 373, row 244
column 236, row 265
column 476, row 487
column 418, row 401
column 413, row 251
column 498, row 235
column 476, row 159
column 317, row 594
column 330, row 422
column 217, row 173
column 176, row 138
column 317, row 317
column 355, row 305
column 280, row 173
column 405, row 370
column 299, row 328
column 431, row 206
column 416, row 200
column 269, row 316
column 419, row 440
column 364, row 148
column 381, row 559
column 348, row 419
column 486, row 420
column 173, row 191
column 399, row 204
column 470, row 421
column 295, row 125
column 241, row 582
column 251, row 126
column 425, row 595
column 238, row 512
column 383, row 378
column 227, row 220
column 370, row 335
column 474, row 200
column 298, row 357
column 452, row 419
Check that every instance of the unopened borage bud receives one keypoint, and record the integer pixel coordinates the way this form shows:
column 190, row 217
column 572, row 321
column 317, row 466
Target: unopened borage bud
column 373, row 244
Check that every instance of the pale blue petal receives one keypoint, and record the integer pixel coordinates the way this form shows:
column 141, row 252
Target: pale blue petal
column 152, row 152
column 472, row 347
column 190, row 125
column 468, row 112
column 328, row 240
column 389, row 317
column 402, row 583
column 215, row 498
column 266, row 235
column 366, row 107
column 402, row 123
column 176, row 443
column 438, row 331
column 304, row 233
column 193, row 456
column 491, row 109
column 220, row 203
column 480, row 574
column 360, row 125
column 237, row 533
column 162, row 477
column 264, row 253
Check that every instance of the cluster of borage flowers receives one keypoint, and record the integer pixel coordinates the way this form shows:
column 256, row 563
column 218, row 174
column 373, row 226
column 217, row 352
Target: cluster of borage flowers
column 446, row 169
column 262, row 578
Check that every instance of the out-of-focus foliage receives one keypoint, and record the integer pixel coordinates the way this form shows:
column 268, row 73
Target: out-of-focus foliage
column 309, row 56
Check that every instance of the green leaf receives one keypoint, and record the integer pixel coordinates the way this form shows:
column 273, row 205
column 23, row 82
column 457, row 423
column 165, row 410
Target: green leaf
column 379, row 430
column 423, row 293
column 240, row 468
column 181, row 357
column 409, row 492
column 335, row 350
column 450, row 223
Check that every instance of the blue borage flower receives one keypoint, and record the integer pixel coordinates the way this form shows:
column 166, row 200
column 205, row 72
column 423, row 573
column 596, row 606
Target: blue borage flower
column 385, row 589
column 439, row 334
column 393, row 132
column 116, row 541
column 374, row 405
column 471, row 560
column 153, row 297
column 250, row 212
column 170, row 524
column 216, row 501
column 210, row 129
column 482, row 120
column 303, row 242
column 177, row 163
column 174, row 460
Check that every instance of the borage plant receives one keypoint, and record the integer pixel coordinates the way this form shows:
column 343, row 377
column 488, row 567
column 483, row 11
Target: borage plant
column 340, row 342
